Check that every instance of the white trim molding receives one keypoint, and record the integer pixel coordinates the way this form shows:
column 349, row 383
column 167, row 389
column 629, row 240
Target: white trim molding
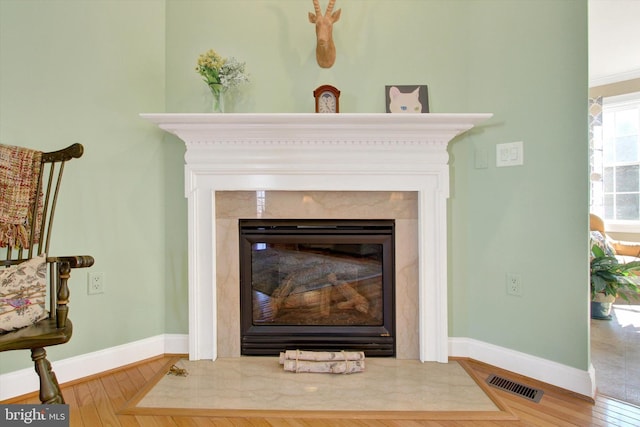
column 563, row 376
column 25, row 381
column 614, row 78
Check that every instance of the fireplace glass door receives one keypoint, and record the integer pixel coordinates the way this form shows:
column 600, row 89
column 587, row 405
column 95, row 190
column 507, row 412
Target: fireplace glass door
column 317, row 285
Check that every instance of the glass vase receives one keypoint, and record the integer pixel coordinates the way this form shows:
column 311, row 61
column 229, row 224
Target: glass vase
column 217, row 101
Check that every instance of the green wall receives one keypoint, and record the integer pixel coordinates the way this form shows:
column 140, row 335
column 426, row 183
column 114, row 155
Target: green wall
column 82, row 71
column 106, row 61
column 528, row 65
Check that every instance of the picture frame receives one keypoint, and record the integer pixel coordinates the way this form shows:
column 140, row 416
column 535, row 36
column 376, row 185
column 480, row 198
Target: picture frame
column 406, row 99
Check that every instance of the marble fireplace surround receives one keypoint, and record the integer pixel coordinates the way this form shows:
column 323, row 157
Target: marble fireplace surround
column 316, row 153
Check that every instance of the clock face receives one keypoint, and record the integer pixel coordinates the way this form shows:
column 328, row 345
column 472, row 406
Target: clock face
column 327, row 103
column 327, row 99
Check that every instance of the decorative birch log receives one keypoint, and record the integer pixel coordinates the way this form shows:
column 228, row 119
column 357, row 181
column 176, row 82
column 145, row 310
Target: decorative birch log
column 320, row 356
column 334, row 367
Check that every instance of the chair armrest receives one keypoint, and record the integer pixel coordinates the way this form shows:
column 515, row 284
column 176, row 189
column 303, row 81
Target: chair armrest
column 62, row 271
column 78, row 261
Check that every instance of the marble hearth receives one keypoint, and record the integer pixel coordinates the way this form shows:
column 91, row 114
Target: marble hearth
column 317, row 166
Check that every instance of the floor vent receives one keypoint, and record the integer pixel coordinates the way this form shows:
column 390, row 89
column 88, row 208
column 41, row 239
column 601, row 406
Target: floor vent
column 512, row 387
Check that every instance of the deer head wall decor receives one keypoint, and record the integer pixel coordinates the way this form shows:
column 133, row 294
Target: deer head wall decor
column 325, row 49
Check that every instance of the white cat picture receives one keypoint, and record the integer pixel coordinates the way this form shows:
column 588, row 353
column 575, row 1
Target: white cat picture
column 407, row 99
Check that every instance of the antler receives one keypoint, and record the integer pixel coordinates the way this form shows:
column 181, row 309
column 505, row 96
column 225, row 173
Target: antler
column 329, row 7
column 316, row 6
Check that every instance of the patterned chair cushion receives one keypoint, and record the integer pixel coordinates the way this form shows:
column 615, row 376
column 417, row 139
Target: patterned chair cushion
column 23, row 291
column 598, row 239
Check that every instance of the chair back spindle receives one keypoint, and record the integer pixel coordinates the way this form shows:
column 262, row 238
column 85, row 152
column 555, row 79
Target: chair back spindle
column 40, row 227
column 30, row 190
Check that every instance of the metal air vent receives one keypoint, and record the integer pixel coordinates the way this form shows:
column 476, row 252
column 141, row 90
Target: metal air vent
column 513, row 387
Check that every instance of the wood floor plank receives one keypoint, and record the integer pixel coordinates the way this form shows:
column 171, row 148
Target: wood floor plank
column 610, row 412
column 136, row 377
column 193, row 422
column 221, row 422
column 86, row 405
column 118, row 400
column 148, row 371
column 165, row 421
column 527, row 413
column 75, row 418
column 102, row 402
column 125, row 384
column 616, row 408
column 284, row 422
column 146, row 421
column 564, row 411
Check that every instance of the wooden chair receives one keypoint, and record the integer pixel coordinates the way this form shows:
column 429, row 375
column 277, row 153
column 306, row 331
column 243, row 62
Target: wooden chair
column 55, row 328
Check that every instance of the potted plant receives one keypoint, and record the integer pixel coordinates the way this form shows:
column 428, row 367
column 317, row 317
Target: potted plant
column 610, row 279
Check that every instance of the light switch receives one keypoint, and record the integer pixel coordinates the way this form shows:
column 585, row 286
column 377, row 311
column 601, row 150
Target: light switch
column 510, row 154
column 482, row 161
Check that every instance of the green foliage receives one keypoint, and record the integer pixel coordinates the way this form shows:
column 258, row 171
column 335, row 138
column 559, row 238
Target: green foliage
column 610, row 277
column 220, row 73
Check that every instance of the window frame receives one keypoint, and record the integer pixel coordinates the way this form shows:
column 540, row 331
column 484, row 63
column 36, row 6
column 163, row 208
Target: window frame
column 618, row 102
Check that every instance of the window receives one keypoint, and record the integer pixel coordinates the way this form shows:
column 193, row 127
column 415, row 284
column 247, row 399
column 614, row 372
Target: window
column 616, row 161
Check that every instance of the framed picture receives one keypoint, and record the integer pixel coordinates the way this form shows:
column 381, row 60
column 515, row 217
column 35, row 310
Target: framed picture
column 407, row 99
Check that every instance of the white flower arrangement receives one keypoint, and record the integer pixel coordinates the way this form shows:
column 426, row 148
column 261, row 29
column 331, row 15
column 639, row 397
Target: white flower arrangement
column 220, row 73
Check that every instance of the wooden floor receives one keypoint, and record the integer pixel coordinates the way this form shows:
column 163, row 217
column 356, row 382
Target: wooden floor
column 95, row 402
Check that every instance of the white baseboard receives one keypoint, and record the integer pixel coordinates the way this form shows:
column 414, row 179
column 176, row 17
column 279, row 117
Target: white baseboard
column 563, row 376
column 25, row 381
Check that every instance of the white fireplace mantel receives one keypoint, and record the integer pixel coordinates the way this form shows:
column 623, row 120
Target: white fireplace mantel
column 321, row 152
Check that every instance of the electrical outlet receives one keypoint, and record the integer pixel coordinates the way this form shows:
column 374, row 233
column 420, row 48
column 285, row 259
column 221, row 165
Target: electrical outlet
column 514, row 284
column 96, row 283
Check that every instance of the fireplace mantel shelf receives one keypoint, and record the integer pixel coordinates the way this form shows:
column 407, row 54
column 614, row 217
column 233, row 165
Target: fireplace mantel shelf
column 199, row 128
column 318, row 152
column 313, row 118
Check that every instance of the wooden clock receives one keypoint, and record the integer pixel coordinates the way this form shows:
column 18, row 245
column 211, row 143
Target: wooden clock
column 327, row 99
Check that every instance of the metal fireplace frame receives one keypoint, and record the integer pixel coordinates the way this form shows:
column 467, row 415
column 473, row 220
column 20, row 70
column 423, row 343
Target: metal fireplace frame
column 265, row 339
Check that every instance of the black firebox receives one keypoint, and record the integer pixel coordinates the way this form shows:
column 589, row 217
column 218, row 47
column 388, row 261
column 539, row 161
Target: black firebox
column 317, row 285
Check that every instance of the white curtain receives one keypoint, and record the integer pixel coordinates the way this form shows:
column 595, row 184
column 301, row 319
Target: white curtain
column 595, row 156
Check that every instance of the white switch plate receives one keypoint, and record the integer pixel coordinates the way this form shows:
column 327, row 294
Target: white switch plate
column 481, row 160
column 510, row 154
